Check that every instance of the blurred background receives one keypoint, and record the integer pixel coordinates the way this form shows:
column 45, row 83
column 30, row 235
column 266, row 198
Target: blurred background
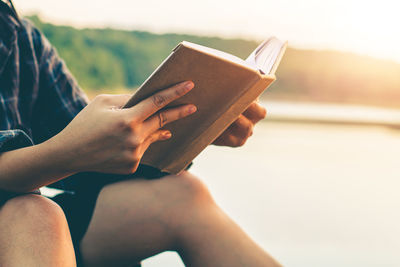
column 318, row 183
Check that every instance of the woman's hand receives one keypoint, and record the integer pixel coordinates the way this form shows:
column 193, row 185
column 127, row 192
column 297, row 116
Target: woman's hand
column 241, row 129
column 103, row 137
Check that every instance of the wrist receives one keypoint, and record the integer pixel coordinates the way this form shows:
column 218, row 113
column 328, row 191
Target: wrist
column 42, row 164
column 59, row 157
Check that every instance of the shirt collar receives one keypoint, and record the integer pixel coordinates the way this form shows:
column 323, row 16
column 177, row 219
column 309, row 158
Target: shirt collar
column 8, row 33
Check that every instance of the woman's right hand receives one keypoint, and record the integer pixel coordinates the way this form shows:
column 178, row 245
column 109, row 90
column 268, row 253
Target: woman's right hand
column 104, row 137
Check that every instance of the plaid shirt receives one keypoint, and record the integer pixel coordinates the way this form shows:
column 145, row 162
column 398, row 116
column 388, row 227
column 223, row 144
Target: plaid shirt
column 38, row 95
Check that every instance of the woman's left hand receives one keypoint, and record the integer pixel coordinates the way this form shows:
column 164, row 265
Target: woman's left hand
column 240, row 130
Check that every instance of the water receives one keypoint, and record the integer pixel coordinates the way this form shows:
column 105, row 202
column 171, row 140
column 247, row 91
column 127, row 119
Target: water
column 324, row 112
column 311, row 194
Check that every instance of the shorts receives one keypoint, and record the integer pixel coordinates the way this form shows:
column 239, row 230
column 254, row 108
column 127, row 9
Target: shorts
column 5, row 195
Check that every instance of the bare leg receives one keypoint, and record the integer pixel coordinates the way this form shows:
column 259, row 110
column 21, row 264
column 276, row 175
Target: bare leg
column 139, row 218
column 34, row 232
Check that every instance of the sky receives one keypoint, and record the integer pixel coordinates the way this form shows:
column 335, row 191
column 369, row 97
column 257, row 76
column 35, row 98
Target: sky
column 364, row 27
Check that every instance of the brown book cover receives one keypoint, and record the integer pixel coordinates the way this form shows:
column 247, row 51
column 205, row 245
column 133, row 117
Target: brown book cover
column 224, row 87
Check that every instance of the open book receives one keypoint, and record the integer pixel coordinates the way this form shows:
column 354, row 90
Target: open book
column 225, row 86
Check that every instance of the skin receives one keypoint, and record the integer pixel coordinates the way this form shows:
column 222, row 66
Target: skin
column 132, row 219
column 137, row 219
column 238, row 132
column 34, row 232
column 114, row 141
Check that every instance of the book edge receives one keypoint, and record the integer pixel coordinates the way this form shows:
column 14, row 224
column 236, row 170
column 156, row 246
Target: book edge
column 181, row 165
column 244, row 65
column 185, row 149
column 279, row 58
column 133, row 99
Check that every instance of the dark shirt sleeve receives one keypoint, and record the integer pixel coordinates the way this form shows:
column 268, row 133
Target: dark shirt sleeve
column 60, row 98
column 40, row 96
column 13, row 139
column 57, row 100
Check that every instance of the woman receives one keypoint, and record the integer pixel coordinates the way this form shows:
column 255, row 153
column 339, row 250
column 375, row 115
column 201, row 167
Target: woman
column 50, row 135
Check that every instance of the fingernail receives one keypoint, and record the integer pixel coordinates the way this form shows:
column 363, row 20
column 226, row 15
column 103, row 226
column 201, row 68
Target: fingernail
column 192, row 109
column 167, row 135
column 189, row 85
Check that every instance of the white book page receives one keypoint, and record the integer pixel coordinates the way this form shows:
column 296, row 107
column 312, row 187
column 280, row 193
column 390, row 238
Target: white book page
column 265, row 55
column 262, row 58
column 215, row 52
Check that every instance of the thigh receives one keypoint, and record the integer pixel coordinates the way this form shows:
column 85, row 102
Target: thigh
column 135, row 219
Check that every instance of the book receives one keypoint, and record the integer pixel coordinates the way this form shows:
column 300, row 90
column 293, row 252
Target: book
column 225, row 85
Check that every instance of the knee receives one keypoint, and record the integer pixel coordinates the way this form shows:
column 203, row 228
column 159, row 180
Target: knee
column 191, row 189
column 34, row 214
column 188, row 206
column 33, row 230
column 187, row 193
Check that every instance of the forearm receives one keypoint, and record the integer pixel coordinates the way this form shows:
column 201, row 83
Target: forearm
column 30, row 168
column 101, row 138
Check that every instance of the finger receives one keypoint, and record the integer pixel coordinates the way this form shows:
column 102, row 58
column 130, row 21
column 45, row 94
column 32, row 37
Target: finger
column 230, row 140
column 113, row 100
column 152, row 104
column 255, row 112
column 222, row 139
column 242, row 128
column 163, row 117
column 159, row 135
